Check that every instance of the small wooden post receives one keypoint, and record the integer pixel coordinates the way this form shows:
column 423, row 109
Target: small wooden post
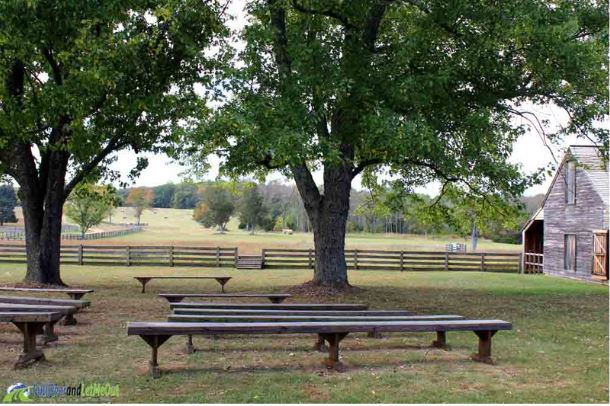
column 128, row 256
column 263, row 254
column 356, row 259
column 236, row 255
column 446, row 261
column 80, row 254
column 521, row 264
column 171, row 255
column 310, row 256
column 402, row 261
column 217, row 256
column 482, row 262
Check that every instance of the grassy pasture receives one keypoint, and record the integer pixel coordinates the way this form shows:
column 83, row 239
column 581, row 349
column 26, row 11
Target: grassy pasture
column 557, row 351
column 176, row 227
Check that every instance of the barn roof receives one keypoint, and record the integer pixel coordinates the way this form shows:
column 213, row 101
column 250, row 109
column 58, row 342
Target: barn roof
column 590, row 160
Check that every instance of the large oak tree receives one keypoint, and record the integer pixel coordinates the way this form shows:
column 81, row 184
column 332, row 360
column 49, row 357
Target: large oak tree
column 422, row 89
column 80, row 80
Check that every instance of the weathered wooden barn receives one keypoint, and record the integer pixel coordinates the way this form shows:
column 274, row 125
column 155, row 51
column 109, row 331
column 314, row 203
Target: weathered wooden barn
column 568, row 235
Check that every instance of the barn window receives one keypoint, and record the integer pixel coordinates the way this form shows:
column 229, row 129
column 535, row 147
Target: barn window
column 569, row 252
column 571, row 182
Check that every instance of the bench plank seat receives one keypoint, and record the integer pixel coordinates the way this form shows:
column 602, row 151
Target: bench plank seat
column 229, row 318
column 69, row 318
column 280, row 312
column 222, row 280
column 49, row 330
column 261, row 306
column 74, row 293
column 30, row 324
column 179, row 297
column 156, row 333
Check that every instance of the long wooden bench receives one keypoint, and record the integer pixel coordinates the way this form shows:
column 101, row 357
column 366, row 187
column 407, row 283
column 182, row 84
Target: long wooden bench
column 69, row 319
column 318, row 346
column 222, row 280
column 262, row 306
column 179, row 297
column 157, row 333
column 74, row 294
column 30, row 324
column 49, row 330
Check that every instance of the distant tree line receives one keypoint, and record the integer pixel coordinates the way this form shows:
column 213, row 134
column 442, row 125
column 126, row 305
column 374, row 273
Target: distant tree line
column 387, row 209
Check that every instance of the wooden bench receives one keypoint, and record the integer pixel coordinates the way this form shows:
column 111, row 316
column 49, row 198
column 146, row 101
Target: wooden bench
column 179, row 297
column 222, row 280
column 30, row 324
column 318, row 346
column 157, row 333
column 49, row 330
column 69, row 319
column 74, row 294
column 261, row 306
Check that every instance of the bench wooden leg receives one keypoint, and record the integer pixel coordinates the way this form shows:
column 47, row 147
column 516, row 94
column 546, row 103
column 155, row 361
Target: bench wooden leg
column 484, row 354
column 144, row 281
column 441, row 340
column 332, row 362
column 320, row 345
column 155, row 342
column 276, row 300
column 49, row 335
column 190, row 348
column 69, row 320
column 75, row 296
column 175, row 299
column 374, row 334
column 31, row 354
column 222, row 282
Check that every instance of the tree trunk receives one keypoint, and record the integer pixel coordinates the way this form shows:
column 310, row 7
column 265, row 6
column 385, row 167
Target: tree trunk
column 42, row 217
column 328, row 215
column 474, row 237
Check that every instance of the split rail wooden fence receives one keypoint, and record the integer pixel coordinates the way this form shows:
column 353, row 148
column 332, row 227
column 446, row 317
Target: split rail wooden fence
column 133, row 255
column 274, row 258
column 400, row 260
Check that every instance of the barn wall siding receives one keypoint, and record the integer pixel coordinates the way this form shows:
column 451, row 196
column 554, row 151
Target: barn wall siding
column 580, row 219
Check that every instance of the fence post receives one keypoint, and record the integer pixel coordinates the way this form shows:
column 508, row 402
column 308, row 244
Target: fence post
column 128, row 256
column 171, row 255
column 521, row 263
column 402, row 260
column 310, row 258
column 236, row 254
column 217, row 256
column 263, row 254
column 446, row 261
column 356, row 259
column 80, row 254
column 482, row 262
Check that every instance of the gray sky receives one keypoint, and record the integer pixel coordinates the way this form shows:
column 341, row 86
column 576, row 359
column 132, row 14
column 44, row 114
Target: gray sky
column 529, row 151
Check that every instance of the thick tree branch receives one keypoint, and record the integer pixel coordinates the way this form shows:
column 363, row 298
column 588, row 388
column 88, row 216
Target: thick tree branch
column 328, row 12
column 280, row 42
column 90, row 166
column 57, row 76
column 307, row 186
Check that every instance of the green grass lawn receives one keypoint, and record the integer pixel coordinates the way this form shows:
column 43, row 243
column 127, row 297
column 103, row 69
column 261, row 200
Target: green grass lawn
column 176, row 227
column 557, row 351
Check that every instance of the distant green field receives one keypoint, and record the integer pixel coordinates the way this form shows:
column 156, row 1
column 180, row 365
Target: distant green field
column 557, row 351
column 176, row 227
